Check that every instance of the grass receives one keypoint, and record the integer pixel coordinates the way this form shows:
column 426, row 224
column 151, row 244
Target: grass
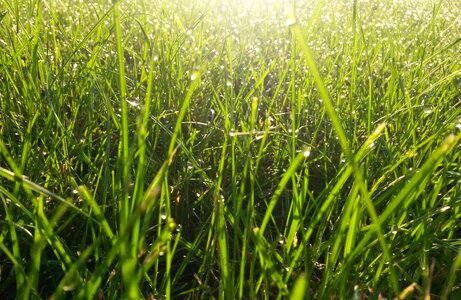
column 297, row 150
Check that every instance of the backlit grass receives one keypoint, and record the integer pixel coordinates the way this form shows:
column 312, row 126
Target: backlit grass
column 230, row 149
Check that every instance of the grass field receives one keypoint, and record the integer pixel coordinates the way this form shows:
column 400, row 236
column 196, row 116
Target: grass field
column 230, row 149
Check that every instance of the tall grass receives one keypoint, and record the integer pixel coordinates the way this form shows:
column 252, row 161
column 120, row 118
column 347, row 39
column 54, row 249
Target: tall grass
column 306, row 149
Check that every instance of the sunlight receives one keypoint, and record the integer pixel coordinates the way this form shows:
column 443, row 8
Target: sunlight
column 249, row 5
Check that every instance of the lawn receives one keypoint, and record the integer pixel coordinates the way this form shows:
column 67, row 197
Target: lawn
column 264, row 149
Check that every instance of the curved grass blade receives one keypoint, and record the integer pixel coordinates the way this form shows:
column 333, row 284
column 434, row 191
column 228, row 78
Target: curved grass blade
column 345, row 145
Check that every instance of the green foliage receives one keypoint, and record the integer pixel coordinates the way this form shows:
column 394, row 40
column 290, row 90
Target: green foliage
column 308, row 150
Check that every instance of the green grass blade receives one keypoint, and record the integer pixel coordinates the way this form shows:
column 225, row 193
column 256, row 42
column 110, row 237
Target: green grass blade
column 299, row 289
column 345, row 145
column 86, row 195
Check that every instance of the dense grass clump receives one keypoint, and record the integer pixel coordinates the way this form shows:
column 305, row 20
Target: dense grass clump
column 230, row 149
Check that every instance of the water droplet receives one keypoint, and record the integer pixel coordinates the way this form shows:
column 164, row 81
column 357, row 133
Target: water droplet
column 427, row 110
column 133, row 103
column 290, row 21
column 307, row 153
column 282, row 240
column 445, row 208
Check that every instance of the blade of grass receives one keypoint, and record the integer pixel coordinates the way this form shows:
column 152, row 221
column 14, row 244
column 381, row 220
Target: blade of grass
column 128, row 250
column 418, row 181
column 356, row 170
column 300, row 288
column 452, row 277
column 15, row 257
column 97, row 211
column 281, row 186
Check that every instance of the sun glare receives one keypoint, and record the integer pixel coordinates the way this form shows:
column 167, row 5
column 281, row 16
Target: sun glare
column 249, row 5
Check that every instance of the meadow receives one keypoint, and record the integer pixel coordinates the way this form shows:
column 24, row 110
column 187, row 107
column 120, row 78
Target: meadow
column 171, row 149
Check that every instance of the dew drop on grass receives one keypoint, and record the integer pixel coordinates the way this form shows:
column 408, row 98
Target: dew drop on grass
column 75, row 192
column 134, row 103
column 427, row 110
column 163, row 213
column 445, row 208
column 290, row 21
column 282, row 240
